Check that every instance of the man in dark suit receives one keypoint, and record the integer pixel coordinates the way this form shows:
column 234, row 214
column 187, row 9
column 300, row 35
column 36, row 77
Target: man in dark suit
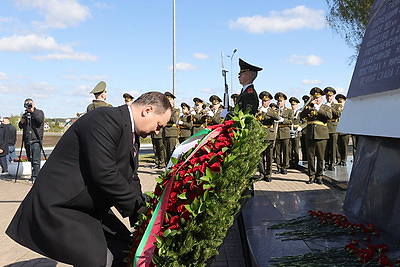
column 66, row 215
column 248, row 98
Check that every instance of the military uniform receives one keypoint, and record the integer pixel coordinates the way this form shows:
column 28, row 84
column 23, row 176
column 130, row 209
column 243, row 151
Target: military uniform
column 317, row 134
column 248, row 99
column 216, row 113
column 303, row 121
column 234, row 98
column 331, row 148
column 185, row 124
column 267, row 116
column 171, row 130
column 96, row 103
column 159, row 149
column 343, row 138
column 198, row 116
column 294, row 142
column 127, row 98
column 283, row 135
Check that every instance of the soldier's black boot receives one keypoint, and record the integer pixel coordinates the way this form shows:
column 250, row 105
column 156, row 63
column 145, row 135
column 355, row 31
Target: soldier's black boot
column 283, row 171
column 319, row 181
column 277, row 171
column 267, row 178
column 331, row 168
column 310, row 181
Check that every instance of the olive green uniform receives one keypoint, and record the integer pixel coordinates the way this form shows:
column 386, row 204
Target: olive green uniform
column 171, row 134
column 331, row 147
column 294, row 143
column 96, row 104
column 216, row 118
column 282, row 140
column 199, row 121
column 185, row 127
column 159, row 149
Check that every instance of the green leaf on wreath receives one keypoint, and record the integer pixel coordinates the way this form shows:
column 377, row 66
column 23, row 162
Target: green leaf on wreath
column 206, row 186
column 202, row 208
column 167, row 232
column 187, row 206
column 159, row 180
column 174, row 160
column 205, row 178
column 206, row 195
column 182, row 196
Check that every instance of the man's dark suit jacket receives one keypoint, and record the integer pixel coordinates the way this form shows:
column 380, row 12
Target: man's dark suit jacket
column 91, row 169
column 248, row 99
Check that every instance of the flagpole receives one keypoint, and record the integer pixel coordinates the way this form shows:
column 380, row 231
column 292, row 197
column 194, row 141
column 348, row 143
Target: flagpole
column 173, row 48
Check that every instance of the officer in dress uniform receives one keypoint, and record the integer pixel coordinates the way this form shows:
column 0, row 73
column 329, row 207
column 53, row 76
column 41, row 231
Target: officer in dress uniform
column 214, row 114
column 331, row 147
column 234, row 98
column 283, row 133
column 198, row 116
column 317, row 134
column 303, row 121
column 100, row 95
column 343, row 138
column 267, row 115
column 171, row 129
column 294, row 143
column 185, row 123
column 128, row 99
column 248, row 99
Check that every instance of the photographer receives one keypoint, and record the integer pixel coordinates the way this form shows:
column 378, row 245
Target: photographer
column 32, row 136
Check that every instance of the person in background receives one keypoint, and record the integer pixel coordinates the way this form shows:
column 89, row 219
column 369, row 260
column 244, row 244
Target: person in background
column 294, row 143
column 128, row 99
column 199, row 115
column 185, row 123
column 100, row 95
column 12, row 139
column 234, row 98
column 214, row 114
column 66, row 215
column 303, row 121
column 248, row 98
column 3, row 148
column 171, row 129
column 343, row 138
column 32, row 123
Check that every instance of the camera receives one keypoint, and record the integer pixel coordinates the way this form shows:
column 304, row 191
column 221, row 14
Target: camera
column 28, row 105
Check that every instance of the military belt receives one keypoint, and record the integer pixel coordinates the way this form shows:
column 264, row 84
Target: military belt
column 183, row 127
column 296, row 125
column 268, row 126
column 197, row 125
column 170, row 125
column 284, row 125
column 333, row 120
column 317, row 123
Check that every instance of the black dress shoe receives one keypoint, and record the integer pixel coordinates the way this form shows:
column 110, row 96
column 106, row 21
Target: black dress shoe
column 277, row 171
column 267, row 179
column 342, row 163
column 284, row 171
column 331, row 168
column 310, row 181
column 319, row 181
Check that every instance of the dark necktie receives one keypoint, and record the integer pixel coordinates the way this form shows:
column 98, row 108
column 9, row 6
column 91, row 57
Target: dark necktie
column 134, row 144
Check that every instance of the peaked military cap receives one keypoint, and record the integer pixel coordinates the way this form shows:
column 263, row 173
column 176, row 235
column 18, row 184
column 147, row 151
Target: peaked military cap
column 293, row 100
column 183, row 104
column 233, row 96
column 340, row 97
column 329, row 91
column 316, row 92
column 273, row 105
column 127, row 97
column 280, row 96
column 99, row 88
column 215, row 99
column 305, row 98
column 244, row 66
column 197, row 100
column 264, row 95
column 169, row 95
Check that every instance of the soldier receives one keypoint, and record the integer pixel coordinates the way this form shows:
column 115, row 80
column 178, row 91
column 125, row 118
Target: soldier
column 331, row 148
column 343, row 138
column 128, row 99
column 171, row 129
column 100, row 95
column 198, row 116
column 303, row 142
column 317, row 134
column 267, row 115
column 283, row 133
column 214, row 114
column 185, row 123
column 294, row 142
column 248, row 99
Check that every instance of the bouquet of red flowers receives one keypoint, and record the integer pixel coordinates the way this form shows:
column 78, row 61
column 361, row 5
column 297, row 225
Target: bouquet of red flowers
column 195, row 201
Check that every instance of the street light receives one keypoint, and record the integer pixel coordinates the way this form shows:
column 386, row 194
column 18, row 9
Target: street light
column 231, row 57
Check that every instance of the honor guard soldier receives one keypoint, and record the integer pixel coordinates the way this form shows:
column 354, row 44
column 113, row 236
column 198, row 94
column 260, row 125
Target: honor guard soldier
column 331, row 147
column 128, row 99
column 343, row 138
column 214, row 114
column 317, row 134
column 171, row 129
column 100, row 95
column 267, row 115
column 248, row 99
column 159, row 149
column 185, row 123
column 294, row 143
column 198, row 115
column 234, row 98
column 282, row 133
column 303, row 121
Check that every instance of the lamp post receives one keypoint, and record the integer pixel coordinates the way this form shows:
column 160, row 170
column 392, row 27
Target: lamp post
column 231, row 57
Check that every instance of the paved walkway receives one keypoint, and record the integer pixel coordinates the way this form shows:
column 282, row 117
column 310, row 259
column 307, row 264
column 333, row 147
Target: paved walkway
column 12, row 193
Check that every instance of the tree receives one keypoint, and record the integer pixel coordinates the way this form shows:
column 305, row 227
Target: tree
column 350, row 18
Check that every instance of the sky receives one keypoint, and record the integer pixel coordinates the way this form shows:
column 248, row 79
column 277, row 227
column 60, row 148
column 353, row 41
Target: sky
column 56, row 51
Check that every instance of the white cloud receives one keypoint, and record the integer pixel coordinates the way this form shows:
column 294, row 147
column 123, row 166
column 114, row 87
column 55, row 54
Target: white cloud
column 57, row 13
column 3, row 76
column 296, row 18
column 70, row 56
column 310, row 82
column 200, row 56
column 91, row 78
column 32, row 43
column 305, row 60
column 183, row 66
